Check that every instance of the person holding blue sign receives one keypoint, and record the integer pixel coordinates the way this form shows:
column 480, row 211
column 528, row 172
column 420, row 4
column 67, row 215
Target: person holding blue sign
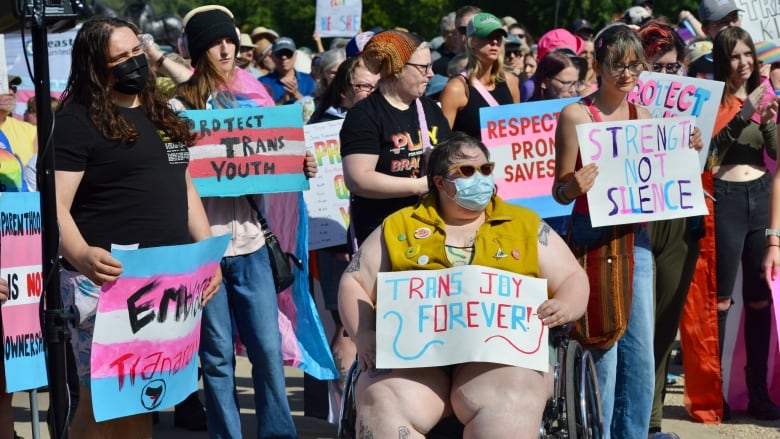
column 117, row 144
column 461, row 222
column 247, row 299
column 744, row 129
column 625, row 368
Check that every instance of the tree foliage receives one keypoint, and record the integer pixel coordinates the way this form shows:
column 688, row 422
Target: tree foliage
column 295, row 18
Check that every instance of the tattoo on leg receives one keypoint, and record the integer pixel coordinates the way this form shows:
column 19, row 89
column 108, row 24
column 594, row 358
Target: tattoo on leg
column 544, row 233
column 403, row 432
column 364, row 432
column 354, row 264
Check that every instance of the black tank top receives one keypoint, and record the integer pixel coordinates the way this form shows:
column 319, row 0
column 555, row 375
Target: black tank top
column 467, row 119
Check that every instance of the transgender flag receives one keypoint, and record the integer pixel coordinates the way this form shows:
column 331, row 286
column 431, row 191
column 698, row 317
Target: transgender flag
column 241, row 151
column 20, row 256
column 147, row 329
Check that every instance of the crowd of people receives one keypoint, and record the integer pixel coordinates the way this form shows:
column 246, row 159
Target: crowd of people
column 412, row 159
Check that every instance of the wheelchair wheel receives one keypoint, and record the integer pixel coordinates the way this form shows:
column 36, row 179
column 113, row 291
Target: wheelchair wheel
column 583, row 404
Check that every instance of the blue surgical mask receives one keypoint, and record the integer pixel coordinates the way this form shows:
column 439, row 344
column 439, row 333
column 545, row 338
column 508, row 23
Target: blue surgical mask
column 473, row 193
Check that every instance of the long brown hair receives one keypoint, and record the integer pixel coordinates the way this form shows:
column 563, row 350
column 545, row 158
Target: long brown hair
column 722, row 47
column 87, row 86
column 204, row 80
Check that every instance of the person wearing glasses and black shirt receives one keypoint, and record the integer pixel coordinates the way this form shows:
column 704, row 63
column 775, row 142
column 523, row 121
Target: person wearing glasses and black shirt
column 385, row 137
column 485, row 82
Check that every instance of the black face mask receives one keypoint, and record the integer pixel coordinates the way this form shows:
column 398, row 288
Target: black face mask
column 131, row 75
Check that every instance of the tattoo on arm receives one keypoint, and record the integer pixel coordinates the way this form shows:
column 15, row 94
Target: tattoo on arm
column 364, row 432
column 544, row 233
column 354, row 264
column 403, row 432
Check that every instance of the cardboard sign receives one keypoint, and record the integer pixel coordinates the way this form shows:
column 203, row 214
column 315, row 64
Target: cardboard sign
column 147, row 328
column 472, row 313
column 327, row 202
column 647, row 170
column 667, row 95
column 761, row 18
column 521, row 139
column 338, row 18
column 241, row 151
column 21, row 257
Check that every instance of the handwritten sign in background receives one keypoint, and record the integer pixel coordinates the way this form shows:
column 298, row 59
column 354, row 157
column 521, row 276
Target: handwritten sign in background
column 327, row 200
column 147, row 329
column 647, row 170
column 673, row 95
column 242, row 151
column 761, row 18
column 521, row 139
column 432, row 318
column 20, row 254
column 338, row 18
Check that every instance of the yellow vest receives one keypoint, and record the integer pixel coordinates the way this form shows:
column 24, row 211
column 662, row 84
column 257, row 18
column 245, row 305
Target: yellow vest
column 507, row 240
column 20, row 135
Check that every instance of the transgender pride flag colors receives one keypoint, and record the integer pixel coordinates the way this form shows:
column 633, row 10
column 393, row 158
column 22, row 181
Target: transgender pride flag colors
column 241, row 151
column 521, row 139
column 20, row 266
column 147, row 329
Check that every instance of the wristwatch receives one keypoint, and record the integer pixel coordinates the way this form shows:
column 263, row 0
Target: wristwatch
column 772, row 232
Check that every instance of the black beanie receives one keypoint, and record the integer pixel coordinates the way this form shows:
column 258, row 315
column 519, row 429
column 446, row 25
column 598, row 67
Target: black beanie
column 207, row 25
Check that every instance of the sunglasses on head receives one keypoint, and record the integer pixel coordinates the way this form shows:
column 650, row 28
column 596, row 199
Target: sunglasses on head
column 469, row 170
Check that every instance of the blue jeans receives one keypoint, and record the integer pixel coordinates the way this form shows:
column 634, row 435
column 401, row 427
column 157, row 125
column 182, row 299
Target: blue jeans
column 626, row 371
column 248, row 296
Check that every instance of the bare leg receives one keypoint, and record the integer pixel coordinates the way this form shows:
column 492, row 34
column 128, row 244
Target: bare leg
column 402, row 403
column 488, row 399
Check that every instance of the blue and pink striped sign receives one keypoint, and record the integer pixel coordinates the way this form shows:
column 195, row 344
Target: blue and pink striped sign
column 20, row 266
column 241, row 151
column 147, row 329
column 521, row 139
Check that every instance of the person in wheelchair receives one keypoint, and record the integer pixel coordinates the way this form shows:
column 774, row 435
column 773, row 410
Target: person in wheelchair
column 466, row 221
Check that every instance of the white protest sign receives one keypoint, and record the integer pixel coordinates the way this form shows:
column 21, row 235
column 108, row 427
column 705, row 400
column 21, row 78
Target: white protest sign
column 338, row 18
column 667, row 95
column 761, row 18
column 647, row 170
column 472, row 313
column 3, row 67
column 327, row 200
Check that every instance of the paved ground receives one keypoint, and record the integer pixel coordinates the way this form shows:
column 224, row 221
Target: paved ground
column 675, row 417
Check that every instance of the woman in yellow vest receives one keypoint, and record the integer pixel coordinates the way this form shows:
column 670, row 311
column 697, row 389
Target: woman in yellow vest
column 460, row 222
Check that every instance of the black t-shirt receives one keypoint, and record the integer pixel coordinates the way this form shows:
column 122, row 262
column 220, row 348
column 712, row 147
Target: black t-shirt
column 467, row 119
column 373, row 126
column 130, row 193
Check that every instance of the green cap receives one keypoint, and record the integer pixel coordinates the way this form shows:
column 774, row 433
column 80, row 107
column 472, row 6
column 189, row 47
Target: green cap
column 483, row 24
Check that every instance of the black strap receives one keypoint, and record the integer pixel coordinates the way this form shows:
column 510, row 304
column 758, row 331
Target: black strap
column 267, row 232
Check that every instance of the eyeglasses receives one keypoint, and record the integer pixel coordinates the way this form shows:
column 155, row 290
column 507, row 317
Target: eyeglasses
column 513, row 52
column 422, row 68
column 469, row 170
column 671, row 67
column 633, row 68
column 568, row 84
column 368, row 88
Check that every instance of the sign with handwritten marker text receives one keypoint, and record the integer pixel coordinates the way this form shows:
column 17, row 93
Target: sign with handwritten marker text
column 147, row 329
column 241, row 151
column 21, row 256
column 667, row 96
column 338, row 18
column 761, row 19
column 472, row 313
column 327, row 200
column 647, row 170
column 521, row 139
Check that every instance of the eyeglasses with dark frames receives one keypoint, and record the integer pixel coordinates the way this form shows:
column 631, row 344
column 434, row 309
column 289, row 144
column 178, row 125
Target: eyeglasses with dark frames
column 568, row 84
column 368, row 88
column 469, row 170
column 634, row 68
column 513, row 52
column 422, row 68
column 672, row 67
